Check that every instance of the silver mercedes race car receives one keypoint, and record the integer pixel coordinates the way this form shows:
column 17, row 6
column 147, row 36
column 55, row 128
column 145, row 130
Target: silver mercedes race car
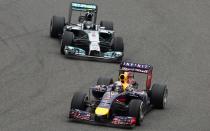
column 86, row 39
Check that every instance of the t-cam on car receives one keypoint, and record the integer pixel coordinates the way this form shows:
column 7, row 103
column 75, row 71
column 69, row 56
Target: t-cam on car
column 85, row 39
column 119, row 103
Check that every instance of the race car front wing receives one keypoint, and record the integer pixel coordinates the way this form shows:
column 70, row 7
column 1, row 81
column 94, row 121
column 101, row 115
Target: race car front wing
column 110, row 56
column 117, row 121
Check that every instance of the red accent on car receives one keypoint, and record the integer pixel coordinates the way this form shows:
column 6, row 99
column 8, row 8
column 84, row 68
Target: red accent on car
column 149, row 80
column 121, row 99
column 133, row 121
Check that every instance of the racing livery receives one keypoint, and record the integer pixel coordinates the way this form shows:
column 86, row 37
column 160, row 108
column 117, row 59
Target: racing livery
column 85, row 39
column 120, row 103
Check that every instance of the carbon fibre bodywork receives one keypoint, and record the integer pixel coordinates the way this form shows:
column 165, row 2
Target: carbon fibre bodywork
column 119, row 107
column 117, row 121
column 84, row 38
column 116, row 105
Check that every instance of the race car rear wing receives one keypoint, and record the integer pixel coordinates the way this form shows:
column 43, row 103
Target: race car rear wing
column 139, row 68
column 84, row 8
column 135, row 67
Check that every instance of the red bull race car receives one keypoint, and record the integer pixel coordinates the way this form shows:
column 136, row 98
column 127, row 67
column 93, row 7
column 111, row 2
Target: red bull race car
column 119, row 103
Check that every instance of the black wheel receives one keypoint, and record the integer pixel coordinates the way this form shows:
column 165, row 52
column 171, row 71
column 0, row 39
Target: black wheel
column 79, row 101
column 117, row 44
column 159, row 95
column 136, row 110
column 107, row 24
column 101, row 81
column 104, row 81
column 67, row 39
column 56, row 26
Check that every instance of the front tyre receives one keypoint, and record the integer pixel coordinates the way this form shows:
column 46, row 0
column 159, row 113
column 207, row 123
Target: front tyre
column 117, row 44
column 56, row 26
column 136, row 110
column 101, row 81
column 66, row 40
column 104, row 81
column 79, row 101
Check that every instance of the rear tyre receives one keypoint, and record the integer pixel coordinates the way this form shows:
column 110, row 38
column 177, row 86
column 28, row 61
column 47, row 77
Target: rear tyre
column 79, row 101
column 107, row 24
column 136, row 110
column 117, row 44
column 104, row 81
column 159, row 95
column 56, row 26
column 67, row 39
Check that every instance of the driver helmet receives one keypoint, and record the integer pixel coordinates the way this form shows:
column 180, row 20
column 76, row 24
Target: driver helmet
column 118, row 86
column 88, row 16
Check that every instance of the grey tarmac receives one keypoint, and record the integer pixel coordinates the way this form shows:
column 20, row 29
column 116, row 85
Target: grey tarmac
column 37, row 83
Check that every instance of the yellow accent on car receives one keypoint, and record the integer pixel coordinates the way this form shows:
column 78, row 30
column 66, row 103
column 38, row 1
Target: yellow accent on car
column 124, row 79
column 125, row 85
column 100, row 111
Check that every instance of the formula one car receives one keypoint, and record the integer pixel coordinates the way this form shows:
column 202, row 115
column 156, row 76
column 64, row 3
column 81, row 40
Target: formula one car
column 119, row 103
column 86, row 39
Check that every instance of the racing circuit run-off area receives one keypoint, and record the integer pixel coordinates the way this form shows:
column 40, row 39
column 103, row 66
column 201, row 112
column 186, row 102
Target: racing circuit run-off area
column 140, row 64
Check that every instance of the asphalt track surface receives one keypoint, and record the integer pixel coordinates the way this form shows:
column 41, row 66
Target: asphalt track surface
column 37, row 83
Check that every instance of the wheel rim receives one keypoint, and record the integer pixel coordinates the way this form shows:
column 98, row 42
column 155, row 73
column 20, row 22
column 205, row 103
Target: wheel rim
column 165, row 99
column 51, row 25
column 62, row 47
column 141, row 115
column 86, row 99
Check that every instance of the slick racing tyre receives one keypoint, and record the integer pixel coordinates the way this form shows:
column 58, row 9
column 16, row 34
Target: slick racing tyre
column 107, row 24
column 104, row 81
column 79, row 101
column 159, row 95
column 67, row 39
column 101, row 81
column 117, row 44
column 136, row 110
column 56, row 26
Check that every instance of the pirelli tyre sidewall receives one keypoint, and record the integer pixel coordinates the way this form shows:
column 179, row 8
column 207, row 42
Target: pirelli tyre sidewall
column 79, row 101
column 56, row 26
column 117, row 44
column 66, row 40
column 136, row 110
column 101, row 81
column 104, row 81
column 159, row 95
column 107, row 24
